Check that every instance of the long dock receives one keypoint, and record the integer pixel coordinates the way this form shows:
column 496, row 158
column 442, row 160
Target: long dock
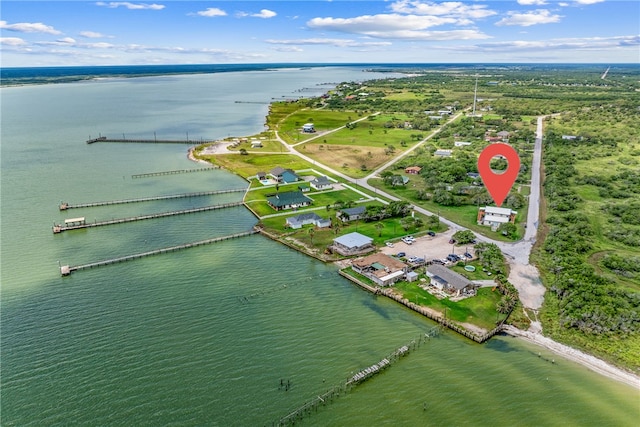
column 64, row 206
column 174, row 172
column 148, row 141
column 79, row 223
column 361, row 376
column 66, row 269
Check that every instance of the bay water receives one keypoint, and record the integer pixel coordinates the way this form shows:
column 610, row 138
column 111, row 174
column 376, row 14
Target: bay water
column 209, row 335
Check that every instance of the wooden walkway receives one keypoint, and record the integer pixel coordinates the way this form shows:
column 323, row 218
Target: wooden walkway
column 148, row 141
column 57, row 228
column 174, row 172
column 66, row 269
column 64, row 206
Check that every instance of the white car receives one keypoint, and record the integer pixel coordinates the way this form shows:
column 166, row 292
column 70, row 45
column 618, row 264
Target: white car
column 408, row 240
column 389, row 244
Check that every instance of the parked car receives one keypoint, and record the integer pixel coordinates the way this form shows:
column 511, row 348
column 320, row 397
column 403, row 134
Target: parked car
column 401, row 254
column 437, row 261
column 412, row 259
column 468, row 255
column 408, row 240
column 431, row 233
column 389, row 244
column 452, row 241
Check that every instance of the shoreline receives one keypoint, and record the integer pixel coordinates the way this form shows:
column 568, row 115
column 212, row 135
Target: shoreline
column 590, row 362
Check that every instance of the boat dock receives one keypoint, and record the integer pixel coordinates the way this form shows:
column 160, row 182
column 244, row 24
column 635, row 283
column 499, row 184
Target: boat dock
column 64, row 206
column 174, row 172
column 79, row 223
column 66, row 270
column 313, row 405
column 148, row 141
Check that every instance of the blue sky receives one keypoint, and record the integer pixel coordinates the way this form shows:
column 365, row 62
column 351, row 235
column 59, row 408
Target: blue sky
column 56, row 33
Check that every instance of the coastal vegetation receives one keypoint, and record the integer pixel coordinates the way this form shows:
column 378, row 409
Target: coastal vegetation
column 588, row 244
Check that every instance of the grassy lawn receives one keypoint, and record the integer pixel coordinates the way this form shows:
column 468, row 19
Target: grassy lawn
column 472, row 275
column 479, row 310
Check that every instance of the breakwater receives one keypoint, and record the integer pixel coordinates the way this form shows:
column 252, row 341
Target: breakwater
column 312, row 406
column 388, row 292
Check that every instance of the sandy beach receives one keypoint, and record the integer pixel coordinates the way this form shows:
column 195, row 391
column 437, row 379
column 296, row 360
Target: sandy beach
column 591, row 362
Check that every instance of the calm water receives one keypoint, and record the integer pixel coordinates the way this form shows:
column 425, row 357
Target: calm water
column 204, row 336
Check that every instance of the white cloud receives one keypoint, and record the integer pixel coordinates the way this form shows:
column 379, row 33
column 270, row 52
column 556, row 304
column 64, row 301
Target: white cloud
column 327, row 41
column 589, row 1
column 584, row 44
column 540, row 16
column 29, row 27
column 452, row 9
column 91, row 35
column 265, row 13
column 532, row 2
column 212, row 12
column 396, row 26
column 131, row 6
column 563, row 4
column 12, row 41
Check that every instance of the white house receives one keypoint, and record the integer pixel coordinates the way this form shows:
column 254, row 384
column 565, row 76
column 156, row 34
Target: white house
column 321, row 183
column 382, row 269
column 308, row 128
column 298, row 221
column 494, row 217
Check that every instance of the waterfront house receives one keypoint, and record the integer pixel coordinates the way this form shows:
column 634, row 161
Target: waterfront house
column 449, row 281
column 350, row 214
column 494, row 217
column 288, row 200
column 381, row 268
column 321, row 183
column 298, row 221
column 352, row 244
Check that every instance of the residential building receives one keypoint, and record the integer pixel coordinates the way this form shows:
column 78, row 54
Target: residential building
column 307, row 218
column 350, row 214
column 449, row 281
column 443, row 153
column 308, row 128
column 353, row 244
column 382, row 269
column 288, row 200
column 321, row 183
column 413, row 170
column 284, row 176
column 494, row 217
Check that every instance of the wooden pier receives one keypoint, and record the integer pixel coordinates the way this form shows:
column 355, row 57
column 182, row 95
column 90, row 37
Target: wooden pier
column 79, row 223
column 361, row 376
column 174, row 172
column 148, row 141
column 66, row 270
column 64, row 206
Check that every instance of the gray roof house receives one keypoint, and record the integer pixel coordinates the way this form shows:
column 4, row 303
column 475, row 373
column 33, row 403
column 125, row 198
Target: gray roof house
column 350, row 214
column 321, row 183
column 298, row 221
column 353, row 244
column 281, row 175
column 450, row 281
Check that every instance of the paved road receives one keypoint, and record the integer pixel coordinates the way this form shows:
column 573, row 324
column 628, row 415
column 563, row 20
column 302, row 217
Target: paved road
column 524, row 276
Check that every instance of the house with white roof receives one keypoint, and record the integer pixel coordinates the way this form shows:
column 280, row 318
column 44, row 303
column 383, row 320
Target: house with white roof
column 353, row 244
column 494, row 217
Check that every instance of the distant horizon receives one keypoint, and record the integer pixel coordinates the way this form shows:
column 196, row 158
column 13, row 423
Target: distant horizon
column 355, row 64
column 166, row 32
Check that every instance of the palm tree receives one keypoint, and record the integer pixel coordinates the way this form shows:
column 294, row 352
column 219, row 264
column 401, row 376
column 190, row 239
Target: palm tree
column 379, row 226
column 312, row 231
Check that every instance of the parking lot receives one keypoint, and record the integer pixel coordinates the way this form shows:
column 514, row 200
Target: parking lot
column 429, row 247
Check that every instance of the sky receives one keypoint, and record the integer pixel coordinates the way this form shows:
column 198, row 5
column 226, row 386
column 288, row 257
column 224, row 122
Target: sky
column 68, row 33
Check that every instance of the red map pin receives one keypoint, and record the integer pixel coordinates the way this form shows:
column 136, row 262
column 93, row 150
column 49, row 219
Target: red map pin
column 499, row 184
